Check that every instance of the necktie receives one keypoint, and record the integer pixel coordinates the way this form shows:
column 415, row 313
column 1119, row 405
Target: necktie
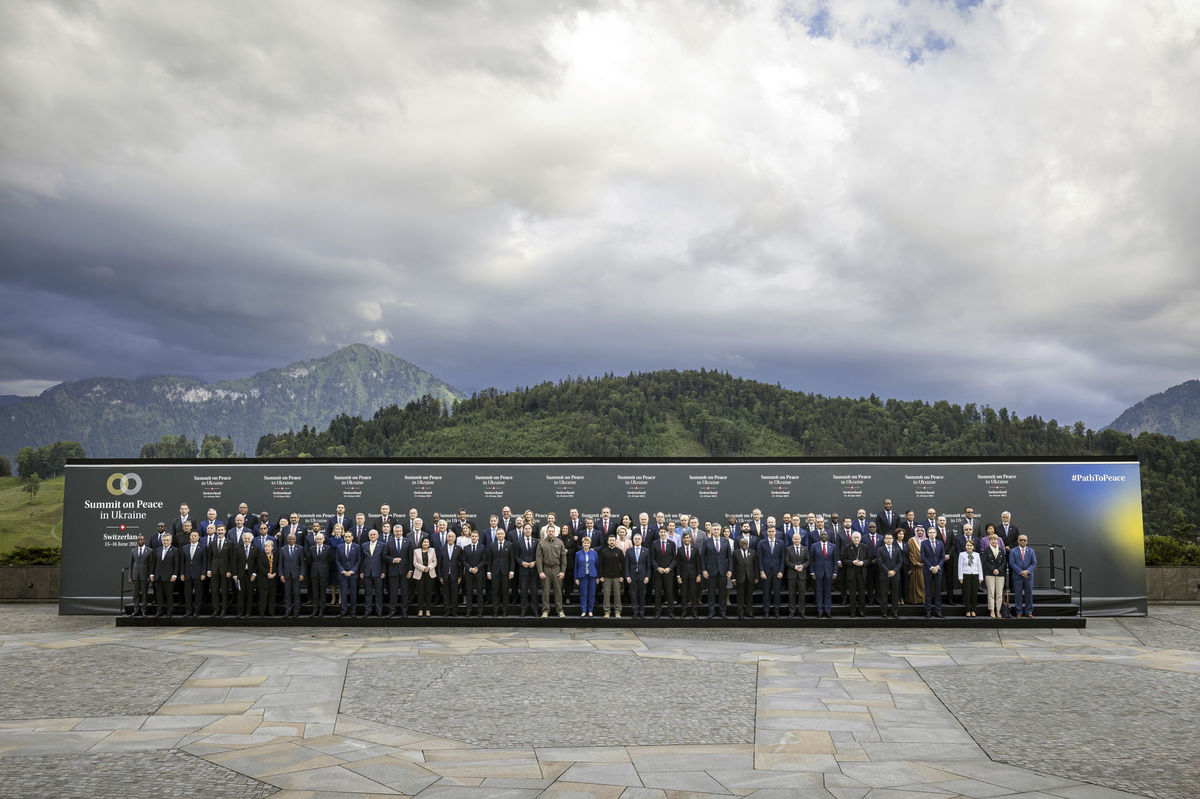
column 140, row 551
column 347, row 550
column 193, row 553
column 247, row 553
column 318, row 549
column 687, row 553
column 824, row 549
column 664, row 547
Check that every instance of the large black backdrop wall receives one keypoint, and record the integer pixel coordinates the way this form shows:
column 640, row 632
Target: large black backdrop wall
column 1091, row 507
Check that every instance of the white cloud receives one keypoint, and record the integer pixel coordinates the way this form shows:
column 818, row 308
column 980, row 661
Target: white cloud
column 998, row 202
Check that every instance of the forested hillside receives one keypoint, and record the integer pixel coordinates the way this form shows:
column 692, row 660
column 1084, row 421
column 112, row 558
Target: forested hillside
column 704, row 413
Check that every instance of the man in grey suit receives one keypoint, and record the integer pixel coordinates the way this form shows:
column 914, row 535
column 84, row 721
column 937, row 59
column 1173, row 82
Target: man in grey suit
column 795, row 566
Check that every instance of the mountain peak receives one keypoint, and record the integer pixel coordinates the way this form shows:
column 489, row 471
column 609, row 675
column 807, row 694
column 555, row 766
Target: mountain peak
column 114, row 417
column 1174, row 412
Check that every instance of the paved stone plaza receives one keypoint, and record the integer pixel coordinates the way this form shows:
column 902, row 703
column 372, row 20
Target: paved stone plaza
column 94, row 711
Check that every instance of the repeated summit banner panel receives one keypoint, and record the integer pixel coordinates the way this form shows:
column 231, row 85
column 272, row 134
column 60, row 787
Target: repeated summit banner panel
column 1093, row 508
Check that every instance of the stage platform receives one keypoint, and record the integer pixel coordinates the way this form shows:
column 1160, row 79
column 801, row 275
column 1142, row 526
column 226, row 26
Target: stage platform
column 1052, row 608
column 475, row 622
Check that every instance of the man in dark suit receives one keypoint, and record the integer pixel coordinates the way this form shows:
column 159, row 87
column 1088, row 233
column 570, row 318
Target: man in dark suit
column 509, row 522
column 1022, row 563
column 320, row 556
column 232, row 522
column 458, row 525
column 606, row 525
column 141, row 558
column 933, row 560
column 662, row 560
column 770, row 570
column 872, row 541
column 718, row 570
column 527, row 573
column 1009, row 533
column 178, row 533
column 208, row 525
column 854, row 563
column 795, row 565
column 642, row 527
column 292, row 565
column 371, row 571
column 397, row 556
column 637, row 576
column 155, row 540
column 758, row 527
column 242, row 573
column 841, row 539
column 347, row 559
column 385, row 517
column 475, row 567
column 449, row 570
column 745, row 574
column 860, row 522
column 293, row 527
column 888, row 560
column 688, row 570
column 886, row 519
column 360, row 528
column 194, row 571
column 501, row 567
column 823, row 566
column 950, row 570
column 340, row 516
column 239, row 526
column 164, row 575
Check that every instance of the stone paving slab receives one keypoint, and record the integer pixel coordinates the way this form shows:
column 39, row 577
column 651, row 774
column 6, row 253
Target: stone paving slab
column 831, row 712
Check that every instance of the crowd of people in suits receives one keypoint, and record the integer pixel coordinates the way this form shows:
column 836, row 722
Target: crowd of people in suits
column 759, row 566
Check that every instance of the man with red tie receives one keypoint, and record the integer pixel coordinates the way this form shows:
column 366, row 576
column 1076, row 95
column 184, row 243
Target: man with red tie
column 823, row 560
column 687, row 574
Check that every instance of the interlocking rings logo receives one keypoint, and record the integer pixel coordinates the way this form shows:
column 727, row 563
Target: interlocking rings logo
column 128, row 484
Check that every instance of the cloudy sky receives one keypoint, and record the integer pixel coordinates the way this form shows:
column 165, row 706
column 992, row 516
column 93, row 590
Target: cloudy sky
column 979, row 201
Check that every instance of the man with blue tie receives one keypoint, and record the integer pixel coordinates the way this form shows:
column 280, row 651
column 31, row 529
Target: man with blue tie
column 637, row 576
column 194, row 571
column 823, row 560
column 527, row 573
column 291, row 574
column 347, row 559
column 718, row 571
column 1022, row 563
column 860, row 523
column 933, row 556
column 397, row 556
column 770, row 569
column 371, row 570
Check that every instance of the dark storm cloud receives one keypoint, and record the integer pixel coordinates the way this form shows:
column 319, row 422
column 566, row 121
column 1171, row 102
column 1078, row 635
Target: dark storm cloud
column 982, row 202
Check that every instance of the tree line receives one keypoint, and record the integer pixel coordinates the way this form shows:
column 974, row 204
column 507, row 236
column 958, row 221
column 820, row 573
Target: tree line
column 708, row 413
